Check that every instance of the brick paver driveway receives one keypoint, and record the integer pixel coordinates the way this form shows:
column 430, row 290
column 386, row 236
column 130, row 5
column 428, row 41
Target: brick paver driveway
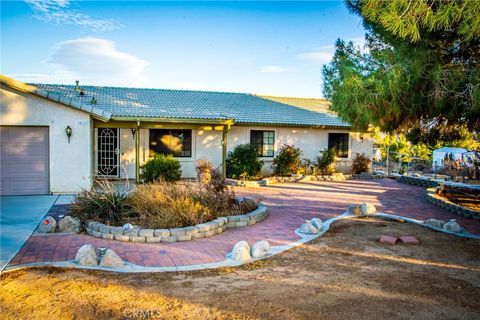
column 289, row 205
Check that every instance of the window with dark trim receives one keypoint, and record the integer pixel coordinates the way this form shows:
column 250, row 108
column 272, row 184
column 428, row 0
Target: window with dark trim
column 263, row 141
column 339, row 143
column 169, row 141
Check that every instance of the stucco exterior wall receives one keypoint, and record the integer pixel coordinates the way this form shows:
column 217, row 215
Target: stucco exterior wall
column 70, row 163
column 205, row 145
column 310, row 141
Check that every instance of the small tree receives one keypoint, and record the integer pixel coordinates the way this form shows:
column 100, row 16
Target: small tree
column 161, row 167
column 287, row 161
column 360, row 163
column 243, row 164
column 326, row 162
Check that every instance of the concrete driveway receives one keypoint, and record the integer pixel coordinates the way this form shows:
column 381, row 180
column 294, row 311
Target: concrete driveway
column 19, row 216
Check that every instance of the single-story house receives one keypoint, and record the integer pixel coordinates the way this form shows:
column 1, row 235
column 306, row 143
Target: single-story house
column 57, row 138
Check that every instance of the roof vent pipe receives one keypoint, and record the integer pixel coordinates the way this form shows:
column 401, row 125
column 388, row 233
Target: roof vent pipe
column 76, row 85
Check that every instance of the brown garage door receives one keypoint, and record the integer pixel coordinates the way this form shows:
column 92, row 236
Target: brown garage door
column 24, row 160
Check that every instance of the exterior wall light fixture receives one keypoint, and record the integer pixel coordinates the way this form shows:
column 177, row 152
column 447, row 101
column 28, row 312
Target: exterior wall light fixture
column 134, row 131
column 68, row 132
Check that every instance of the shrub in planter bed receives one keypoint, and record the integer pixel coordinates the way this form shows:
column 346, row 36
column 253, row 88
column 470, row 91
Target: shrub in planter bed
column 326, row 162
column 163, row 204
column 103, row 202
column 287, row 161
column 360, row 163
column 161, row 166
column 204, row 170
column 243, row 163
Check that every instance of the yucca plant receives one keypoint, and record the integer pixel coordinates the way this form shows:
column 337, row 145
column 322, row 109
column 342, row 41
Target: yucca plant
column 103, row 202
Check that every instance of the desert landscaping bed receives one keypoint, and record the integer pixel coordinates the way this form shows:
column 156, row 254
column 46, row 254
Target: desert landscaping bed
column 345, row 274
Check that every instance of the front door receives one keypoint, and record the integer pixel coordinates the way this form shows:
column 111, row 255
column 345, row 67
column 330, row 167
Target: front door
column 108, row 151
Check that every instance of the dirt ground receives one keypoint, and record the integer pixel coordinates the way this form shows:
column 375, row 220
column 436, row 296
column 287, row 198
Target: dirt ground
column 346, row 274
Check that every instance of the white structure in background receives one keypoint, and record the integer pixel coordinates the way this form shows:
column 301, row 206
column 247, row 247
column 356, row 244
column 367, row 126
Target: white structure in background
column 438, row 155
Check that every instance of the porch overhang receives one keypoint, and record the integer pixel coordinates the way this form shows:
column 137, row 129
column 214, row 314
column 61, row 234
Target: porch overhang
column 137, row 123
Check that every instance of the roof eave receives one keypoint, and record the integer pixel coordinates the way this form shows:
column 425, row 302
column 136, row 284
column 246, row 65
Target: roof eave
column 296, row 125
column 27, row 88
column 176, row 120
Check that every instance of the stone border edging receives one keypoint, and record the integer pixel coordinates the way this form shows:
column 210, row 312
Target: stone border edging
column 450, row 206
column 301, row 178
column 203, row 230
column 133, row 268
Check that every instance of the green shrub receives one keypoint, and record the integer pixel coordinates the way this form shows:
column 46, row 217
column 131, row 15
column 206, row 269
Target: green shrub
column 326, row 162
column 164, row 167
column 243, row 163
column 103, row 202
column 360, row 163
column 287, row 161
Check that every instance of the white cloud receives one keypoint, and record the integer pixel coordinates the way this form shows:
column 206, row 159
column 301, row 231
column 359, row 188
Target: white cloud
column 58, row 12
column 324, row 54
column 97, row 61
column 272, row 69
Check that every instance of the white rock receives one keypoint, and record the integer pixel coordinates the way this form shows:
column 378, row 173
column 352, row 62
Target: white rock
column 453, row 226
column 354, row 209
column 434, row 223
column 367, row 208
column 260, row 249
column 48, row 225
column 69, row 224
column 127, row 226
column 308, row 228
column 241, row 251
column 86, row 255
column 317, row 223
column 111, row 259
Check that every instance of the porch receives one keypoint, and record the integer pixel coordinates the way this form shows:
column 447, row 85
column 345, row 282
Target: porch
column 122, row 146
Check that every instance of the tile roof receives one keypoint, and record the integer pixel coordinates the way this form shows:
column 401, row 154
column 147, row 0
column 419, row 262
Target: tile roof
column 186, row 104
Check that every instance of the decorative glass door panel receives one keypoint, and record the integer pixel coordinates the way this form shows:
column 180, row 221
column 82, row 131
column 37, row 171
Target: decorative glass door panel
column 108, row 151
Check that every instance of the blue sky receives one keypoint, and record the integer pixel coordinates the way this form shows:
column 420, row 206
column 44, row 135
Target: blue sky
column 274, row 48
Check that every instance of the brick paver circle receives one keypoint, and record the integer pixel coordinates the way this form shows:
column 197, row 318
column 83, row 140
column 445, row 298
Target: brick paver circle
column 289, row 205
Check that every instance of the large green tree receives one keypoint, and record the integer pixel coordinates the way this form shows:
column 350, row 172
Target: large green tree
column 419, row 69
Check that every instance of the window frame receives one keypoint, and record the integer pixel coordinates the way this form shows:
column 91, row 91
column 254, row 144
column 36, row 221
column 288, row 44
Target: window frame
column 338, row 141
column 260, row 143
column 157, row 135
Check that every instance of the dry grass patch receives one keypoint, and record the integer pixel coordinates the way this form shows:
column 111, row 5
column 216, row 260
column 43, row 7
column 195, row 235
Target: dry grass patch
column 346, row 274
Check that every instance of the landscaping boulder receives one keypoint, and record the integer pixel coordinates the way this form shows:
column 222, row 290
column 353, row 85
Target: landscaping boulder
column 317, row 223
column 241, row 251
column 367, row 208
column 434, row 223
column 260, row 249
column 127, row 226
column 308, row 228
column 86, row 255
column 111, row 259
column 69, row 224
column 354, row 209
column 48, row 225
column 133, row 231
column 452, row 226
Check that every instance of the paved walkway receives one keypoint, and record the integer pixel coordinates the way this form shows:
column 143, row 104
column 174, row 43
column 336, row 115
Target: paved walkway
column 289, row 205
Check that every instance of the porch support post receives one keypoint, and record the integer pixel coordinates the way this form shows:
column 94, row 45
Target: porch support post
column 224, row 151
column 137, row 152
